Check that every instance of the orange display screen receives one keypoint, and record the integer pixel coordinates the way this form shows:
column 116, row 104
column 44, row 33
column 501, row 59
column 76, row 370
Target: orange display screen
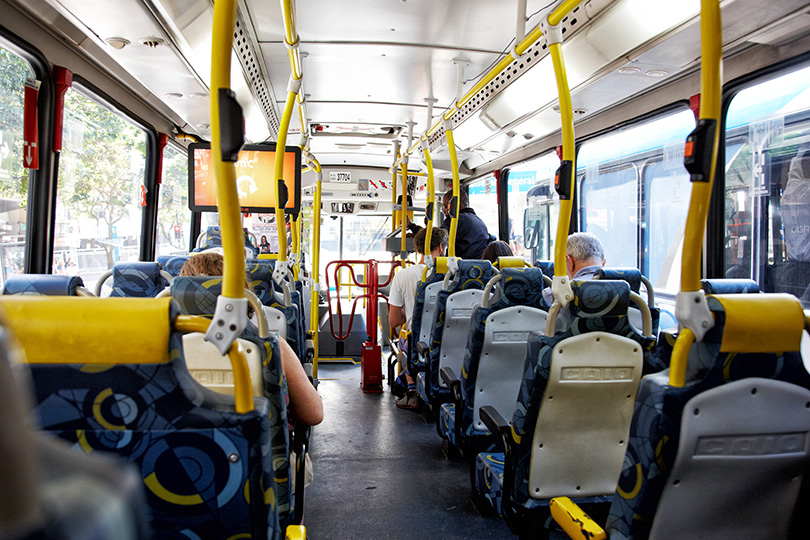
column 254, row 178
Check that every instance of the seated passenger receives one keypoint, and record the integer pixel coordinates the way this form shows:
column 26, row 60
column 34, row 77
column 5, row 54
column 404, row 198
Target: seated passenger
column 795, row 275
column 305, row 405
column 584, row 256
column 403, row 293
column 496, row 249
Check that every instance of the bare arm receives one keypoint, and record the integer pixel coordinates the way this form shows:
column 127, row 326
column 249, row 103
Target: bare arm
column 305, row 404
column 396, row 316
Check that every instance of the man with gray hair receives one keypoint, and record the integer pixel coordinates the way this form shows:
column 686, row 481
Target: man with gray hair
column 584, row 256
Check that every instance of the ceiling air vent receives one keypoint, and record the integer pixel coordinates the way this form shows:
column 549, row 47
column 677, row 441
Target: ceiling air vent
column 151, row 42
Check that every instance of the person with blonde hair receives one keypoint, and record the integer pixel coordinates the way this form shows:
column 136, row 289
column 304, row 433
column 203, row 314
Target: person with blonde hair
column 306, row 405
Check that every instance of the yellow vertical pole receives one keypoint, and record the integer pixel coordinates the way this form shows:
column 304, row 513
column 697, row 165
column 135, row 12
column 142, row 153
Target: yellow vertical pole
column 227, row 199
column 710, row 104
column 278, row 175
column 451, row 145
column 316, row 261
column 403, row 213
column 431, row 197
column 569, row 154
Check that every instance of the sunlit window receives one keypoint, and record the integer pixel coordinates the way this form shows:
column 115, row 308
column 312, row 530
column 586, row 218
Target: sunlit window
column 101, row 174
column 533, row 208
column 174, row 216
column 13, row 177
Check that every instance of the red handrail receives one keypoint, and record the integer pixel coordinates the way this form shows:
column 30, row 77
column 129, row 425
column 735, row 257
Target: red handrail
column 372, row 295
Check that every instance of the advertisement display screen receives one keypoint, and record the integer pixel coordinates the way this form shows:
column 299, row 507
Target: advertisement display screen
column 254, row 178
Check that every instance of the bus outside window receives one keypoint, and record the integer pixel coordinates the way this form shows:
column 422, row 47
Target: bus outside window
column 101, row 171
column 767, row 185
column 634, row 196
column 174, row 217
column 533, row 208
column 13, row 177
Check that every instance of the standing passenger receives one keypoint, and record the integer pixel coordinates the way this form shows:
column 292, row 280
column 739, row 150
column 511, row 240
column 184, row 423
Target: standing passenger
column 403, row 294
column 472, row 236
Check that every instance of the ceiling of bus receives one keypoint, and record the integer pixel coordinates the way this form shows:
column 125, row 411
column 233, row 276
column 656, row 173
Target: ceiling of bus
column 372, row 63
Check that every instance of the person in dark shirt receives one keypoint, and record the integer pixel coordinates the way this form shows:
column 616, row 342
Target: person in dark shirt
column 472, row 236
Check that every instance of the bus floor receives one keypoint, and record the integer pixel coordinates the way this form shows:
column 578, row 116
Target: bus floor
column 379, row 471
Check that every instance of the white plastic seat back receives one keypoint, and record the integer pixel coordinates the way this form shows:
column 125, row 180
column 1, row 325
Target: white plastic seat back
column 428, row 309
column 276, row 322
column 584, row 421
column 457, row 318
column 500, row 368
column 212, row 370
column 742, row 455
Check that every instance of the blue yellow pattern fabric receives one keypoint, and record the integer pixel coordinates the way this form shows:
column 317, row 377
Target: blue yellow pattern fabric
column 489, row 469
column 172, row 264
column 521, row 287
column 137, row 280
column 655, row 429
column 633, row 277
column 261, row 275
column 42, row 284
column 471, row 274
column 212, row 238
column 208, row 469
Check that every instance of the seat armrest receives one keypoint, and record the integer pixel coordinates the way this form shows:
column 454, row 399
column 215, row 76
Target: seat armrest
column 449, row 377
column 423, row 349
column 454, row 384
column 576, row 523
column 494, row 421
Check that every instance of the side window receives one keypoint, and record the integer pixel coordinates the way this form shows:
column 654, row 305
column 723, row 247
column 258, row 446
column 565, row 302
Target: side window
column 13, row 177
column 483, row 194
column 533, row 207
column 101, row 171
column 174, row 217
column 634, row 195
column 767, row 185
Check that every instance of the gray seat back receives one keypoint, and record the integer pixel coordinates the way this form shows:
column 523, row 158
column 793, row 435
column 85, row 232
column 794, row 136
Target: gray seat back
column 587, row 372
column 428, row 309
column 456, row 328
column 500, row 370
column 743, row 451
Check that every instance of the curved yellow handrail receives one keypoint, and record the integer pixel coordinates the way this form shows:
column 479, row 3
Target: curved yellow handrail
column 241, row 373
column 451, row 146
column 278, row 173
column 230, row 221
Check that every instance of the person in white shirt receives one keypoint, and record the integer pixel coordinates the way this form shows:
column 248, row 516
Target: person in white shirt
column 403, row 294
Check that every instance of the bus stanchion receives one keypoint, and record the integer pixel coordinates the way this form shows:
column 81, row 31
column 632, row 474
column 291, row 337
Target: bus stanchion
column 371, row 355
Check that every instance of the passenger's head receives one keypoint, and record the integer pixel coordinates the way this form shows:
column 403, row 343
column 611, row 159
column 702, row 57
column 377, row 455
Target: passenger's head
column 438, row 241
column 496, row 249
column 209, row 263
column 583, row 249
column 463, row 201
column 264, row 239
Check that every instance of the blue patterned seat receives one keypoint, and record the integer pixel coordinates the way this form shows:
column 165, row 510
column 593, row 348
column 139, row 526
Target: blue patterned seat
column 493, row 360
column 45, row 285
column 172, row 264
column 208, row 469
column 135, row 280
column 270, row 295
column 655, row 452
column 572, row 415
column 212, row 238
column 729, row 286
column 634, row 278
column 52, row 492
column 463, row 287
column 197, row 295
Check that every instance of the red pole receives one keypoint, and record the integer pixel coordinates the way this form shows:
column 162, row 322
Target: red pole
column 371, row 312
